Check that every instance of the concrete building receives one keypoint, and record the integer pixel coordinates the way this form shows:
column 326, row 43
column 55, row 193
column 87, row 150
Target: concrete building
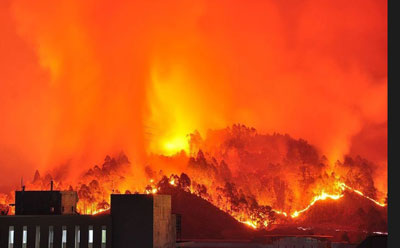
column 295, row 241
column 69, row 200
column 134, row 221
column 342, row 245
column 374, row 241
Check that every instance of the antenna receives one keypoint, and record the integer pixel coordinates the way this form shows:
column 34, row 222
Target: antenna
column 22, row 184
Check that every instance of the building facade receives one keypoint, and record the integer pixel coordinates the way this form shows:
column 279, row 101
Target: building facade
column 135, row 220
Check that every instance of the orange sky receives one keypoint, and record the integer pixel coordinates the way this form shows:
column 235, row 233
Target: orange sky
column 82, row 79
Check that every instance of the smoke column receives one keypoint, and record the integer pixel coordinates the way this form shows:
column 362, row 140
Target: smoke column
column 82, row 79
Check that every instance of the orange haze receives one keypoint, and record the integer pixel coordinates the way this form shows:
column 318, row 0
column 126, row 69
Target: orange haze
column 82, row 79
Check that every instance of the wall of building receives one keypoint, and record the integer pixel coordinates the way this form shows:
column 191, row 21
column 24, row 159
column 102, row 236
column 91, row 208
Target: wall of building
column 135, row 221
column 37, row 202
column 69, row 200
column 163, row 225
column 173, row 229
column 132, row 221
column 301, row 242
column 44, row 223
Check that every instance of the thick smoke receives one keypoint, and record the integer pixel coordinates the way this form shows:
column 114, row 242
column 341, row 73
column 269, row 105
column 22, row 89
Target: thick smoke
column 83, row 79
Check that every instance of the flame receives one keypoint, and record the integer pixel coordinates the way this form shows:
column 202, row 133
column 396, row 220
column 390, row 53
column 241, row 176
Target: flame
column 151, row 191
column 250, row 223
column 97, row 211
column 363, row 195
column 280, row 212
column 93, row 198
column 131, row 85
column 323, row 196
column 175, row 145
column 246, row 218
column 146, row 89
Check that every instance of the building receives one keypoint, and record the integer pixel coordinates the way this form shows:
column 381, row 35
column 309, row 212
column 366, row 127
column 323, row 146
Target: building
column 135, row 220
column 295, row 241
column 45, row 202
column 374, row 241
column 342, row 245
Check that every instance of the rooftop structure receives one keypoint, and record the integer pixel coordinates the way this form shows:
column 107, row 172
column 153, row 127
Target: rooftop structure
column 135, row 220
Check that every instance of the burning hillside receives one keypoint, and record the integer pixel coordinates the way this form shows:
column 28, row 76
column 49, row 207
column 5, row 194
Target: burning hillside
column 163, row 81
column 257, row 179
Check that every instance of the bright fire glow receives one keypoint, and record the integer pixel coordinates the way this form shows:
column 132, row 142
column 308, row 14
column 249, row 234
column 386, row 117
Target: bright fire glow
column 280, row 212
column 361, row 194
column 250, row 223
column 144, row 77
column 317, row 198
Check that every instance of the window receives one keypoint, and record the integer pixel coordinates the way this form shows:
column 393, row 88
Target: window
column 103, row 236
column 64, row 237
column 37, row 238
column 77, row 236
column 11, row 237
column 51, row 236
column 24, row 236
column 90, row 237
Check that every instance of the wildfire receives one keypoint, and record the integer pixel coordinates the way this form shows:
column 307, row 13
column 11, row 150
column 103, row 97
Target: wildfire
column 250, row 223
column 321, row 197
column 317, row 198
column 97, row 211
column 324, row 196
column 93, row 196
column 361, row 194
column 151, row 191
column 249, row 220
column 280, row 212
